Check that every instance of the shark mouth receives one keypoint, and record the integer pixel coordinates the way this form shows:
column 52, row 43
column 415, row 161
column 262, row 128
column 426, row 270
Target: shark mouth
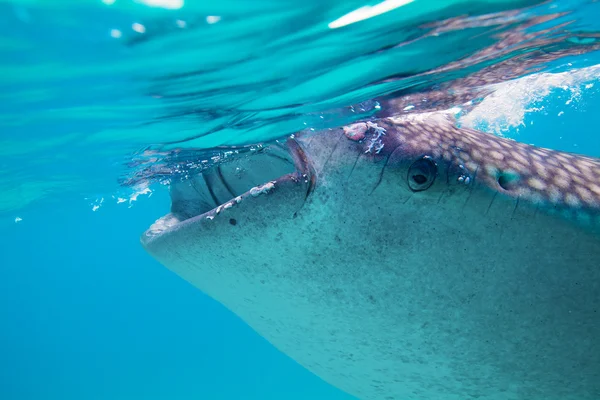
column 206, row 194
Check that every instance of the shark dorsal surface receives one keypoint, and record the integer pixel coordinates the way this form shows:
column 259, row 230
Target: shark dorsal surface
column 406, row 258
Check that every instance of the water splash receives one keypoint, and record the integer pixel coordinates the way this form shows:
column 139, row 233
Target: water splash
column 507, row 107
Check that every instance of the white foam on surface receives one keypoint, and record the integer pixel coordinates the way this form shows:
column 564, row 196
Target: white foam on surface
column 507, row 107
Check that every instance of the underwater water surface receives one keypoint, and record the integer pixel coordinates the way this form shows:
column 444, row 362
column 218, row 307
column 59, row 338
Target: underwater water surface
column 103, row 102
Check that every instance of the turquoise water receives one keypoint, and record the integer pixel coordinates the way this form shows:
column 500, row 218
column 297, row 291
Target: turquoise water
column 96, row 97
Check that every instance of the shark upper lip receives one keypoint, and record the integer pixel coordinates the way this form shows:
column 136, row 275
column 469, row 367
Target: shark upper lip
column 300, row 170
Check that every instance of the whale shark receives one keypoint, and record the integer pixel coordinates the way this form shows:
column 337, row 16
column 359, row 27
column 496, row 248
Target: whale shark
column 404, row 258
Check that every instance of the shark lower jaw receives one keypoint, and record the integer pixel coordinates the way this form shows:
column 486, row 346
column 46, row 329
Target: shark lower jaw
column 299, row 173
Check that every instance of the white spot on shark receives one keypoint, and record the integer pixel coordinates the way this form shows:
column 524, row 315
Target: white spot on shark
column 266, row 188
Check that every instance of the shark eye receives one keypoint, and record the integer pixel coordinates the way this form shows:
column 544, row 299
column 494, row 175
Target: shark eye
column 421, row 174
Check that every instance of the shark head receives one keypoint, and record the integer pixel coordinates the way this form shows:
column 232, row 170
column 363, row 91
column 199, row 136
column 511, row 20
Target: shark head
column 404, row 258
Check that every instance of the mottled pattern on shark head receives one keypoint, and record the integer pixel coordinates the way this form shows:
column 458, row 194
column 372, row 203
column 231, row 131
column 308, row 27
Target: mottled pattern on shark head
column 557, row 181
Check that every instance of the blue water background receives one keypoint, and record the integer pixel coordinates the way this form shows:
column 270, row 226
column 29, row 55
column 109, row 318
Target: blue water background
column 85, row 313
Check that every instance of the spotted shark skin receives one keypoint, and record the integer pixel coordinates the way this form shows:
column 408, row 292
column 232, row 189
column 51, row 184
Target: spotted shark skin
column 410, row 259
column 547, row 178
